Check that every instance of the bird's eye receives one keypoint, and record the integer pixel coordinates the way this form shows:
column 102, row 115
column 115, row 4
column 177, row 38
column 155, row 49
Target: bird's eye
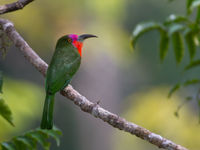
column 69, row 40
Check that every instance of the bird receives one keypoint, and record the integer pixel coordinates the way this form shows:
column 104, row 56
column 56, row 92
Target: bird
column 63, row 65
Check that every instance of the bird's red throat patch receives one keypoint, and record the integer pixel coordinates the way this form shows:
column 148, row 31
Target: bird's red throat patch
column 79, row 46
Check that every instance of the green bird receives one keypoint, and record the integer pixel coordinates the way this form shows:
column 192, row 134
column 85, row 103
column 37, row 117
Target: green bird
column 64, row 64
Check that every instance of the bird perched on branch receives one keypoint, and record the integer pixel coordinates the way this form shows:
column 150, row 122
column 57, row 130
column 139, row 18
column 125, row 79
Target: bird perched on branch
column 64, row 64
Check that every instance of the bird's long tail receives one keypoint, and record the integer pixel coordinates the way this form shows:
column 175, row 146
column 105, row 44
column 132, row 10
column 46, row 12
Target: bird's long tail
column 47, row 117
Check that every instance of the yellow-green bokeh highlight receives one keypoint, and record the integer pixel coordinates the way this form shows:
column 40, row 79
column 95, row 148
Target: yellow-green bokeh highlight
column 154, row 111
column 25, row 101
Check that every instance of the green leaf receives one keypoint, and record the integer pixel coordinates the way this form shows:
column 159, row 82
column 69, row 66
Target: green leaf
column 199, row 102
column 175, row 19
column 188, row 5
column 164, row 45
column 29, row 140
column 19, row 145
column 40, row 138
column 55, row 133
column 1, row 82
column 176, row 113
column 174, row 28
column 193, row 64
column 8, row 146
column 189, row 98
column 190, row 39
column 5, row 112
column 142, row 28
column 198, row 15
column 30, row 144
column 191, row 82
column 194, row 4
column 177, row 42
column 174, row 89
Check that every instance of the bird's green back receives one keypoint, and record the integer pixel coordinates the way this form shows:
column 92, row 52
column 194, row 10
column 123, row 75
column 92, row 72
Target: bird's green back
column 64, row 64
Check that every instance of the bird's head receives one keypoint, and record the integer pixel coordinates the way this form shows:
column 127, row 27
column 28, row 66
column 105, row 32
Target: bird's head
column 77, row 41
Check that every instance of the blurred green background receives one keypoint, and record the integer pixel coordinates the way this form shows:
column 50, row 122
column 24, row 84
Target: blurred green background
column 131, row 84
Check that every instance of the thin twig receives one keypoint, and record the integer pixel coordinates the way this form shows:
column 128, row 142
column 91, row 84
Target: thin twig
column 14, row 6
column 79, row 100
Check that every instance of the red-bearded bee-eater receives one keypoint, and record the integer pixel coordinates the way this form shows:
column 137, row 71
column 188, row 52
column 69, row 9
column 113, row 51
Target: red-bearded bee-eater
column 64, row 64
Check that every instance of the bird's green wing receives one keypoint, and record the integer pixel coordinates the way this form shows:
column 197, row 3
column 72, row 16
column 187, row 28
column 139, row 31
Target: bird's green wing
column 64, row 64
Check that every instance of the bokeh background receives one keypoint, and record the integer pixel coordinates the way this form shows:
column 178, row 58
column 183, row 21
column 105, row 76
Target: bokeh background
column 133, row 84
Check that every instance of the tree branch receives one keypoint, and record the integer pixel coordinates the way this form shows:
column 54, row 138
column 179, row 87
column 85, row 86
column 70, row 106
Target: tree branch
column 14, row 6
column 79, row 100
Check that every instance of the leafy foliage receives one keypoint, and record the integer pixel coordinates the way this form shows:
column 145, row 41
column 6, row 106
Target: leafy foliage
column 188, row 99
column 180, row 30
column 164, row 44
column 31, row 139
column 190, row 39
column 177, row 86
column 145, row 27
column 192, row 5
column 5, row 111
column 175, row 26
column 178, row 46
column 1, row 82
column 174, row 89
column 190, row 82
column 193, row 64
column 171, row 28
column 175, row 19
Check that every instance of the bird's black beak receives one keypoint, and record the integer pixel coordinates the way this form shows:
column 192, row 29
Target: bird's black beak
column 85, row 36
